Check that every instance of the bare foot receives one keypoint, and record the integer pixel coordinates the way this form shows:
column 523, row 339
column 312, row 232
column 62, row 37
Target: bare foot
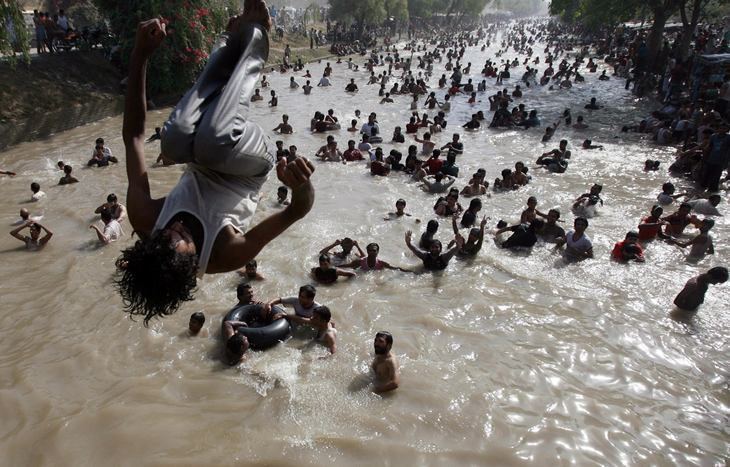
column 255, row 11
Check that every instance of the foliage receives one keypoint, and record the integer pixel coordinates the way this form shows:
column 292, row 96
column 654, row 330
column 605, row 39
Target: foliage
column 396, row 9
column 192, row 28
column 14, row 35
column 361, row 12
column 423, row 8
column 596, row 13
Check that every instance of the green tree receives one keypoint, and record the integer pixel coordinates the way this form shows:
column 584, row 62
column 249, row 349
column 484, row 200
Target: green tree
column 361, row 12
column 193, row 26
column 396, row 9
column 423, row 8
column 14, row 35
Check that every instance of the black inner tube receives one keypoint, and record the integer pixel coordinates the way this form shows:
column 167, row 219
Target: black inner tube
column 260, row 336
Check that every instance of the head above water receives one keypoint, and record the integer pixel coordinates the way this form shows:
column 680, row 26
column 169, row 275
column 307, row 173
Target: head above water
column 383, row 342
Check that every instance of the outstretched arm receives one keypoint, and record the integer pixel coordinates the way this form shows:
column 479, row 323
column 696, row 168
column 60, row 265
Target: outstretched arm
column 410, row 246
column 143, row 209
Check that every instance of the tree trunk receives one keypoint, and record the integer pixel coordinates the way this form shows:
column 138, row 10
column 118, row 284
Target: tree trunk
column 661, row 11
column 689, row 26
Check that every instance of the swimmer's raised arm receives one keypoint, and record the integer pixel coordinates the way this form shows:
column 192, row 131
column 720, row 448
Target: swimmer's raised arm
column 359, row 250
column 327, row 249
column 16, row 232
column 143, row 209
column 415, row 250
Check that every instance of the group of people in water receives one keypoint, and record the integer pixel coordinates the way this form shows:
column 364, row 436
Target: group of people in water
column 229, row 156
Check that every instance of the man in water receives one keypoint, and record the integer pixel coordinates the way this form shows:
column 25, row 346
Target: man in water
column 303, row 304
column 693, row 293
column 321, row 321
column 345, row 254
column 201, row 226
column 33, row 242
column 250, row 272
column 117, row 210
column 112, row 229
column 385, row 365
column 551, row 232
column 579, row 246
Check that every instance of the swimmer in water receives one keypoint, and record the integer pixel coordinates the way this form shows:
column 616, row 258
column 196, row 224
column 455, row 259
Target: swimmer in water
column 400, row 207
column 529, row 214
column 236, row 344
column 34, row 242
column 325, row 273
column 371, row 261
column 434, row 259
column 701, row 245
column 629, row 249
column 284, row 127
column 579, row 246
column 195, row 325
column 474, row 240
column 385, row 365
column 345, row 255
column 250, row 272
column 693, row 293
column 321, row 321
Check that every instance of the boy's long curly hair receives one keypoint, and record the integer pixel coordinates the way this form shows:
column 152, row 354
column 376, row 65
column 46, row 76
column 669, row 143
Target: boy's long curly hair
column 154, row 279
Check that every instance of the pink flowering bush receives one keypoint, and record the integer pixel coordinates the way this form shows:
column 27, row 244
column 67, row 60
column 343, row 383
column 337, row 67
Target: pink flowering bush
column 192, row 28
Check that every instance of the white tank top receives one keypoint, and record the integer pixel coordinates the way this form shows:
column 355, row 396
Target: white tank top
column 216, row 200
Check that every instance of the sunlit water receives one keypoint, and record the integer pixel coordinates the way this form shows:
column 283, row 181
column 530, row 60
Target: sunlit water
column 511, row 358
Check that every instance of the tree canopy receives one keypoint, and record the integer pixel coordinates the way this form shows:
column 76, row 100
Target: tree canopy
column 14, row 36
column 192, row 27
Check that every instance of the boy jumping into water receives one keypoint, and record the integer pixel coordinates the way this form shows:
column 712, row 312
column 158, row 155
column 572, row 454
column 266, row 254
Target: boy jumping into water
column 202, row 225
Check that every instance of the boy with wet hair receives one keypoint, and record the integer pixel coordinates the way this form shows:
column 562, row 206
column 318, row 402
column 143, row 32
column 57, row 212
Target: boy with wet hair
column 197, row 320
column 250, row 272
column 400, row 207
column 321, row 321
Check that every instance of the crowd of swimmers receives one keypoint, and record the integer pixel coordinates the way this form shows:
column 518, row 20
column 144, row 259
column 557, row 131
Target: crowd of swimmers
column 703, row 157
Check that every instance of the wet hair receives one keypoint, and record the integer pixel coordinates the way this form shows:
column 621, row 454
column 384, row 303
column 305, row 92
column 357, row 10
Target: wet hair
column 718, row 274
column 308, row 291
column 632, row 234
column 198, row 317
column 372, row 245
column 99, row 141
column 323, row 312
column 252, row 263
column 241, row 288
column 154, row 279
column 325, row 257
column 581, row 219
column 400, row 201
column 106, row 215
column 475, row 203
column 282, row 189
column 432, row 226
column 236, row 346
column 667, row 186
column 112, row 198
column 67, row 169
column 389, row 337
column 656, row 208
column 506, row 173
column 685, row 206
column 35, row 187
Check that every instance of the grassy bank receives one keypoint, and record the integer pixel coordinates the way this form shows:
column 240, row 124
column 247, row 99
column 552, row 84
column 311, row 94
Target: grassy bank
column 55, row 82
